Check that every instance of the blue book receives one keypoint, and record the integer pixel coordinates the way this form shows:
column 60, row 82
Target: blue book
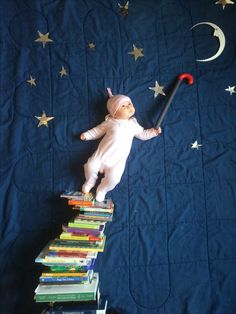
column 79, row 308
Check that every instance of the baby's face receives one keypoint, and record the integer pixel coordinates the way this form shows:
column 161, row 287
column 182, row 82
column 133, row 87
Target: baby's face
column 126, row 111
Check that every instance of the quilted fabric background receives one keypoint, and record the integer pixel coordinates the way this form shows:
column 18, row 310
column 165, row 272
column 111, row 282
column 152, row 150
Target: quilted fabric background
column 171, row 246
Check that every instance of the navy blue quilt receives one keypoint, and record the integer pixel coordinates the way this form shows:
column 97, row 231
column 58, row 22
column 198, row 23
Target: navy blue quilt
column 171, row 247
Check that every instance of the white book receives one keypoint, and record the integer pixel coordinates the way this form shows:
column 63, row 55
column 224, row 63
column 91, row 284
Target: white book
column 90, row 287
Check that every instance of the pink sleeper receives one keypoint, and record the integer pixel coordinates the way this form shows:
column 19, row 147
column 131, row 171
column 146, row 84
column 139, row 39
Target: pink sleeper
column 118, row 131
column 112, row 152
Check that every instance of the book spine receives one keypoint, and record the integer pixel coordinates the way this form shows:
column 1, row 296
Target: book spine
column 68, row 269
column 81, row 256
column 64, row 274
column 84, row 226
column 95, row 209
column 72, row 311
column 78, row 238
column 72, row 243
column 76, row 249
column 62, row 279
column 83, row 231
column 80, row 203
column 65, row 297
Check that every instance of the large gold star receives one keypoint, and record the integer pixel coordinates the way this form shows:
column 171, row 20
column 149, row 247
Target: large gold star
column 124, row 9
column 63, row 71
column 43, row 38
column 43, row 120
column 224, row 2
column 136, row 52
column 157, row 89
column 31, row 81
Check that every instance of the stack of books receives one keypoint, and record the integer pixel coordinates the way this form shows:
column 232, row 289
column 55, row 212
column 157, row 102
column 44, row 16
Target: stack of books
column 70, row 258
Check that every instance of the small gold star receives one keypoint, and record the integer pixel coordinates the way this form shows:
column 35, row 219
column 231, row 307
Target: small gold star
column 43, row 38
column 31, row 81
column 124, row 9
column 196, row 145
column 136, row 52
column 157, row 89
column 91, row 46
column 63, row 71
column 224, row 2
column 43, row 120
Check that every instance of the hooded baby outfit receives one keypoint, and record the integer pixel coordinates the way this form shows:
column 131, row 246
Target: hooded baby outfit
column 114, row 148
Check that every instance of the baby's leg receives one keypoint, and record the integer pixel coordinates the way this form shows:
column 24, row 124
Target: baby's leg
column 111, row 179
column 91, row 169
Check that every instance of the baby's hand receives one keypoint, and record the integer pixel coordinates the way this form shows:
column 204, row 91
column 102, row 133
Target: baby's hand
column 82, row 137
column 157, row 131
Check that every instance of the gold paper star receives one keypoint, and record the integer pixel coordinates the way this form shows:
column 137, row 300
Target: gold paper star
column 224, row 2
column 136, row 52
column 196, row 145
column 157, row 89
column 43, row 120
column 124, row 9
column 63, row 71
column 231, row 90
column 31, row 81
column 43, row 38
column 91, row 46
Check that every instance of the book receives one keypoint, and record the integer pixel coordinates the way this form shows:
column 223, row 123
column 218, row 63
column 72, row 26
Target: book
column 79, row 308
column 88, row 199
column 74, row 268
column 71, row 236
column 79, row 196
column 94, row 209
column 65, row 293
column 76, row 243
column 93, row 217
column 64, row 277
column 64, row 274
column 94, row 214
column 80, row 255
column 73, row 246
column 69, row 261
column 63, row 280
column 81, row 225
column 107, row 203
column 50, row 257
column 84, row 230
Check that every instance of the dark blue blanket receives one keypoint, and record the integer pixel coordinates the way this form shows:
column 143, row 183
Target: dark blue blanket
column 171, row 246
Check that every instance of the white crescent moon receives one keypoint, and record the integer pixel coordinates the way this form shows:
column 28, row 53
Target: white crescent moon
column 218, row 33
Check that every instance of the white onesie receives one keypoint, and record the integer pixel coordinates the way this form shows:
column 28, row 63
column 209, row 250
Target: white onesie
column 112, row 152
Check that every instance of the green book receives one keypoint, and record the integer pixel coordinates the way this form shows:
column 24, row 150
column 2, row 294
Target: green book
column 74, row 243
column 66, row 293
column 67, row 297
column 84, row 226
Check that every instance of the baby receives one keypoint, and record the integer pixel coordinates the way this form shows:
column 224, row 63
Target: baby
column 118, row 131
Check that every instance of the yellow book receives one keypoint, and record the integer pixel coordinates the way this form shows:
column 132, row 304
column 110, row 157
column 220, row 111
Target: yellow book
column 67, row 235
column 78, row 249
column 64, row 274
column 75, row 248
column 70, row 236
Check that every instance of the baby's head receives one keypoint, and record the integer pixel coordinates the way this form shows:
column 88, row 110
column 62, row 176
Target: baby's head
column 120, row 106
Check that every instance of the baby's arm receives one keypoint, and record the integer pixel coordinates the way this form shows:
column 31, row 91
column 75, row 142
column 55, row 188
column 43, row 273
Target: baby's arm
column 94, row 133
column 147, row 134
